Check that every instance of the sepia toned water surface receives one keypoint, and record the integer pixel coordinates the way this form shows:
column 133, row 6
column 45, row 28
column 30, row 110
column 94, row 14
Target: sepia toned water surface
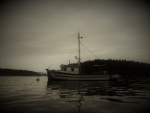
column 26, row 95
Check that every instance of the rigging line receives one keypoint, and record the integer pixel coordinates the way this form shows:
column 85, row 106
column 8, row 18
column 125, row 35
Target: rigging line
column 89, row 50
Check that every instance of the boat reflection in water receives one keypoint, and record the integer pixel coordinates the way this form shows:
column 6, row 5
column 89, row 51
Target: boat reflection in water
column 75, row 91
column 98, row 96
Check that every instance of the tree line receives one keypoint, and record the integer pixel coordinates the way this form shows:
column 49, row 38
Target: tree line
column 13, row 72
column 121, row 67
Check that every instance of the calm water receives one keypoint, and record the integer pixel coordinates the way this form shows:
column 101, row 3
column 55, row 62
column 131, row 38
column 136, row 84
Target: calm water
column 26, row 95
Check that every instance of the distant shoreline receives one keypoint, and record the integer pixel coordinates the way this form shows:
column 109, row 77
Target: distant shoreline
column 22, row 75
column 14, row 72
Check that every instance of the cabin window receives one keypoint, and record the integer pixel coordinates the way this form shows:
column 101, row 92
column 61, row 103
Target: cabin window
column 72, row 69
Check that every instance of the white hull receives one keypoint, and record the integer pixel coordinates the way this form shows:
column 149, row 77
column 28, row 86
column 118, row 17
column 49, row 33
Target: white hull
column 54, row 75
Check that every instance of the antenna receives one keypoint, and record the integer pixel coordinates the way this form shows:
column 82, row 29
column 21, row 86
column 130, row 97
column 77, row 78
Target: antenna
column 49, row 66
column 79, row 63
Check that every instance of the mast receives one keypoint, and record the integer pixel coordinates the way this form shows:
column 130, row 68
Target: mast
column 79, row 53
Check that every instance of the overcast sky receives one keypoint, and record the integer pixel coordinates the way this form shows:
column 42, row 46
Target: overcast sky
column 34, row 34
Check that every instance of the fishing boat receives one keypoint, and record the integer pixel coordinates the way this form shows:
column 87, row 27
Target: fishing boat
column 74, row 71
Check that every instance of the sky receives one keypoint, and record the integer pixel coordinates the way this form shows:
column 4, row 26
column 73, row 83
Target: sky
column 38, row 34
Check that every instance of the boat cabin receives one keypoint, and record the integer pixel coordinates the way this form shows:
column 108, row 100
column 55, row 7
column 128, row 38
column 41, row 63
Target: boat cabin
column 91, row 69
column 73, row 69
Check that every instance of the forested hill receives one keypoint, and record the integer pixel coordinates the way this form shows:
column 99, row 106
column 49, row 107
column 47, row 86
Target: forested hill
column 122, row 67
column 12, row 72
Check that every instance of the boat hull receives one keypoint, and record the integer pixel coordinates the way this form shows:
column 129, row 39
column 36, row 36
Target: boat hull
column 54, row 75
